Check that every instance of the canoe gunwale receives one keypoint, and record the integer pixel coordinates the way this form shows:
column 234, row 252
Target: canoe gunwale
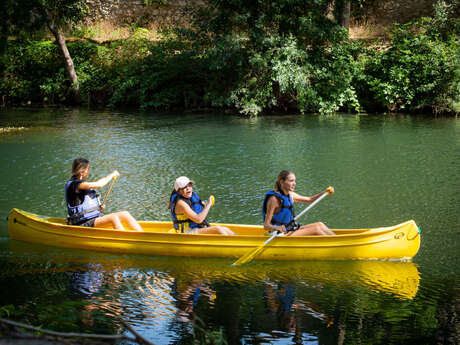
column 39, row 229
column 83, row 232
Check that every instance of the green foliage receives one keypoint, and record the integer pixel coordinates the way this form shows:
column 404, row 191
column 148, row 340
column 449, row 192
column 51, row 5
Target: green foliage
column 7, row 310
column 164, row 75
column 420, row 71
column 285, row 76
column 203, row 336
column 34, row 74
column 64, row 316
column 62, row 12
column 272, row 56
column 155, row 2
column 25, row 17
column 253, row 57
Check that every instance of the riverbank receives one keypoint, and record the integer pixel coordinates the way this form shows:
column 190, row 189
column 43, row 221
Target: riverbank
column 219, row 62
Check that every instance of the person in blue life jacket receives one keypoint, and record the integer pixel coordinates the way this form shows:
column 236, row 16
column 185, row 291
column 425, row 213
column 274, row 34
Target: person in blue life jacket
column 278, row 209
column 189, row 213
column 83, row 206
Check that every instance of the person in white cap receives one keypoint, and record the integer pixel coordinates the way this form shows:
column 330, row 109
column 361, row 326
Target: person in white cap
column 189, row 213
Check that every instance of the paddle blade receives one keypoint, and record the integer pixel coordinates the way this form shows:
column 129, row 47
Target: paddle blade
column 248, row 256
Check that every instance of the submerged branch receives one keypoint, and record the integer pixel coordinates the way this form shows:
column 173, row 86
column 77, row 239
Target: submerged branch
column 138, row 338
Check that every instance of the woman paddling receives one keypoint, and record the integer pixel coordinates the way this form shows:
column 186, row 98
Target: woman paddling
column 83, row 206
column 189, row 213
column 278, row 209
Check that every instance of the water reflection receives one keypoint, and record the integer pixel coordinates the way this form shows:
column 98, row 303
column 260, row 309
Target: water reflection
column 86, row 282
column 187, row 296
column 276, row 300
column 398, row 278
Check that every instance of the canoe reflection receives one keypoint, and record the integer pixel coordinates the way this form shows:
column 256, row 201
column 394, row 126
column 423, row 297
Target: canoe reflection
column 398, row 278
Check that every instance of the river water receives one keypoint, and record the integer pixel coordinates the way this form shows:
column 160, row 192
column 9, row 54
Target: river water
column 386, row 169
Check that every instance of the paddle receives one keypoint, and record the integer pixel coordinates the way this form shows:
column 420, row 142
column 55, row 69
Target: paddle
column 108, row 192
column 252, row 254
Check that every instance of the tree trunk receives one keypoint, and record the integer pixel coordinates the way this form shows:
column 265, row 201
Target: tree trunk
column 346, row 14
column 342, row 10
column 68, row 63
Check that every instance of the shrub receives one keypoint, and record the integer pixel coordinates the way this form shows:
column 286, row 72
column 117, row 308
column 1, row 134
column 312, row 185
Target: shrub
column 418, row 72
column 34, row 74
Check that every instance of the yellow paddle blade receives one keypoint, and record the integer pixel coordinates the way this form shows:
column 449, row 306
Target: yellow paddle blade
column 248, row 256
column 253, row 253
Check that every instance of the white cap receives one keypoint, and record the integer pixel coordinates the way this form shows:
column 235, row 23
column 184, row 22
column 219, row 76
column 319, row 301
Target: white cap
column 182, row 182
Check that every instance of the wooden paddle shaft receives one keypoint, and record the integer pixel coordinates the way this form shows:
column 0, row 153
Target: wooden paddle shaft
column 108, row 192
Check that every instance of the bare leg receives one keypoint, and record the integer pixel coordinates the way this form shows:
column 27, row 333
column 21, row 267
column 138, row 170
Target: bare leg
column 116, row 220
column 127, row 217
column 216, row 230
column 111, row 219
column 318, row 228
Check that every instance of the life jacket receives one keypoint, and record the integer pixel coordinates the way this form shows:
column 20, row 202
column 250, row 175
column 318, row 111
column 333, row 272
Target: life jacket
column 180, row 221
column 88, row 209
column 286, row 214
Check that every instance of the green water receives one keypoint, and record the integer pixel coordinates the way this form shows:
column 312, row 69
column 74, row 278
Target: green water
column 385, row 170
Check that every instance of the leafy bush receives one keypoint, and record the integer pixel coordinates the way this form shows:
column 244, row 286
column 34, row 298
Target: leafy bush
column 276, row 56
column 253, row 57
column 34, row 74
column 158, row 75
column 284, row 76
column 419, row 71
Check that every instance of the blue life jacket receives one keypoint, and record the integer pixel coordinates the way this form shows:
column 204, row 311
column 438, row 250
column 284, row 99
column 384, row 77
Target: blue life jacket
column 181, row 222
column 286, row 214
column 88, row 209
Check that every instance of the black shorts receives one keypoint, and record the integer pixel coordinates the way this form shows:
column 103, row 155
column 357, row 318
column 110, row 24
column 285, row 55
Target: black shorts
column 88, row 223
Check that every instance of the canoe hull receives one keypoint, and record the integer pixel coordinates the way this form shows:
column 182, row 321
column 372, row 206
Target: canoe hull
column 400, row 242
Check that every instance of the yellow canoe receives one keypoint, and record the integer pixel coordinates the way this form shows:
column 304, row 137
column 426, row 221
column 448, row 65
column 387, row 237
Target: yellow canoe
column 399, row 242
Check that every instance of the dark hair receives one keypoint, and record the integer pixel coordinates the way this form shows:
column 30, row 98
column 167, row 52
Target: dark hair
column 283, row 175
column 174, row 191
column 78, row 166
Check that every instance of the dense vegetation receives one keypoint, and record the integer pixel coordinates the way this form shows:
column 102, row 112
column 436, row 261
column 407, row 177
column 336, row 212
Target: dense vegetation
column 253, row 57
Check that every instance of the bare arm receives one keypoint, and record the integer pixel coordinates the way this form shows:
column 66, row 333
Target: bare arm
column 306, row 199
column 302, row 199
column 99, row 183
column 183, row 208
column 272, row 204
